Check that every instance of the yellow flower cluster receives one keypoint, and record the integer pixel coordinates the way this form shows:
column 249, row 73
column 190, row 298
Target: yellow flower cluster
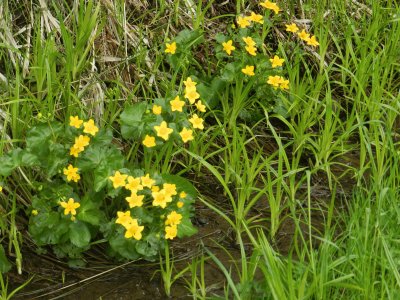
column 131, row 225
column 278, row 81
column 303, row 35
column 250, row 45
column 246, row 21
column 271, row 5
column 82, row 140
column 163, row 131
column 172, row 222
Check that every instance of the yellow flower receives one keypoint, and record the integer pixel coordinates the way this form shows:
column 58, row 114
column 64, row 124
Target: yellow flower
column 276, row 61
column 186, row 135
column 161, row 198
column 75, row 122
column 149, row 141
column 74, row 151
column 170, row 189
column 170, row 48
column 197, row 122
column 251, row 50
column 133, row 184
column 90, row 127
column 242, row 22
column 81, row 142
column 157, row 109
column 274, row 80
column 189, row 83
column 118, row 180
column 303, row 35
column 1, row 188
column 312, row 41
column 192, row 95
column 124, row 218
column 271, row 5
column 182, row 195
column 170, row 232
column 200, row 106
column 173, row 219
column 35, row 212
column 284, row 84
column 163, row 131
column 177, row 104
column 249, row 70
column 70, row 206
column 228, row 47
column 292, row 28
column 249, row 41
column 71, row 173
column 155, row 188
column 147, row 181
column 134, row 230
column 179, row 204
column 256, row 18
column 135, row 200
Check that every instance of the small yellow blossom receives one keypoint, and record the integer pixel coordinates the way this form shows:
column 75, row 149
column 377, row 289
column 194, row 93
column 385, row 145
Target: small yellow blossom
column 251, row 50
column 155, row 188
column 248, row 70
column 173, row 219
column 186, row 135
column 157, row 109
column 276, row 61
column 200, row 106
column 284, row 84
column 35, row 212
column 243, row 22
column 90, row 128
column 161, row 198
column 71, row 173
column 135, row 200
column 197, row 122
column 249, row 41
column 124, row 218
column 303, row 35
column 147, row 181
column 170, row 189
column 312, row 41
column 271, row 5
column 134, row 230
column 171, row 232
column 1, row 188
column 170, row 48
column 149, row 141
column 192, row 95
column 228, row 47
column 74, row 151
column 177, row 104
column 134, row 184
column 275, row 81
column 75, row 122
column 81, row 142
column 189, row 83
column 292, row 28
column 256, row 18
column 118, row 180
column 182, row 195
column 70, row 206
column 163, row 131
column 179, row 204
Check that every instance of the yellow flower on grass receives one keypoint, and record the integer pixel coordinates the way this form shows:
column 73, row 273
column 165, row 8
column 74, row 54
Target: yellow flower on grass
column 81, row 142
column 243, row 22
column 276, row 61
column 200, row 106
column 189, row 83
column 192, row 95
column 163, row 131
column 248, row 70
column 147, row 181
column 303, row 35
column 35, row 212
column 177, row 104
column 182, row 195
column 197, row 122
column 161, row 198
column 170, row 189
column 312, row 41
column 118, row 180
column 124, row 218
column 173, row 219
column 170, row 48
column 74, row 151
column 75, row 122
column 157, row 109
column 251, row 50
column 186, row 135
column 71, row 173
column 256, row 18
column 90, row 128
column 228, row 47
column 292, row 28
column 149, row 141
column 135, row 200
column 134, row 230
column 270, row 5
column 70, row 206
column 249, row 41
column 179, row 204
column 134, row 184
column 275, row 81
column 1, row 188
column 155, row 188
column 284, row 84
column 170, row 232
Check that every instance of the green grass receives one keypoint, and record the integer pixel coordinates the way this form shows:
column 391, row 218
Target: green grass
column 340, row 133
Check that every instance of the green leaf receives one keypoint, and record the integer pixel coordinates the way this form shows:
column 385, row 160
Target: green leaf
column 79, row 234
column 124, row 247
column 5, row 265
column 189, row 38
column 39, row 137
column 89, row 210
column 186, row 228
column 131, row 120
column 211, row 94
